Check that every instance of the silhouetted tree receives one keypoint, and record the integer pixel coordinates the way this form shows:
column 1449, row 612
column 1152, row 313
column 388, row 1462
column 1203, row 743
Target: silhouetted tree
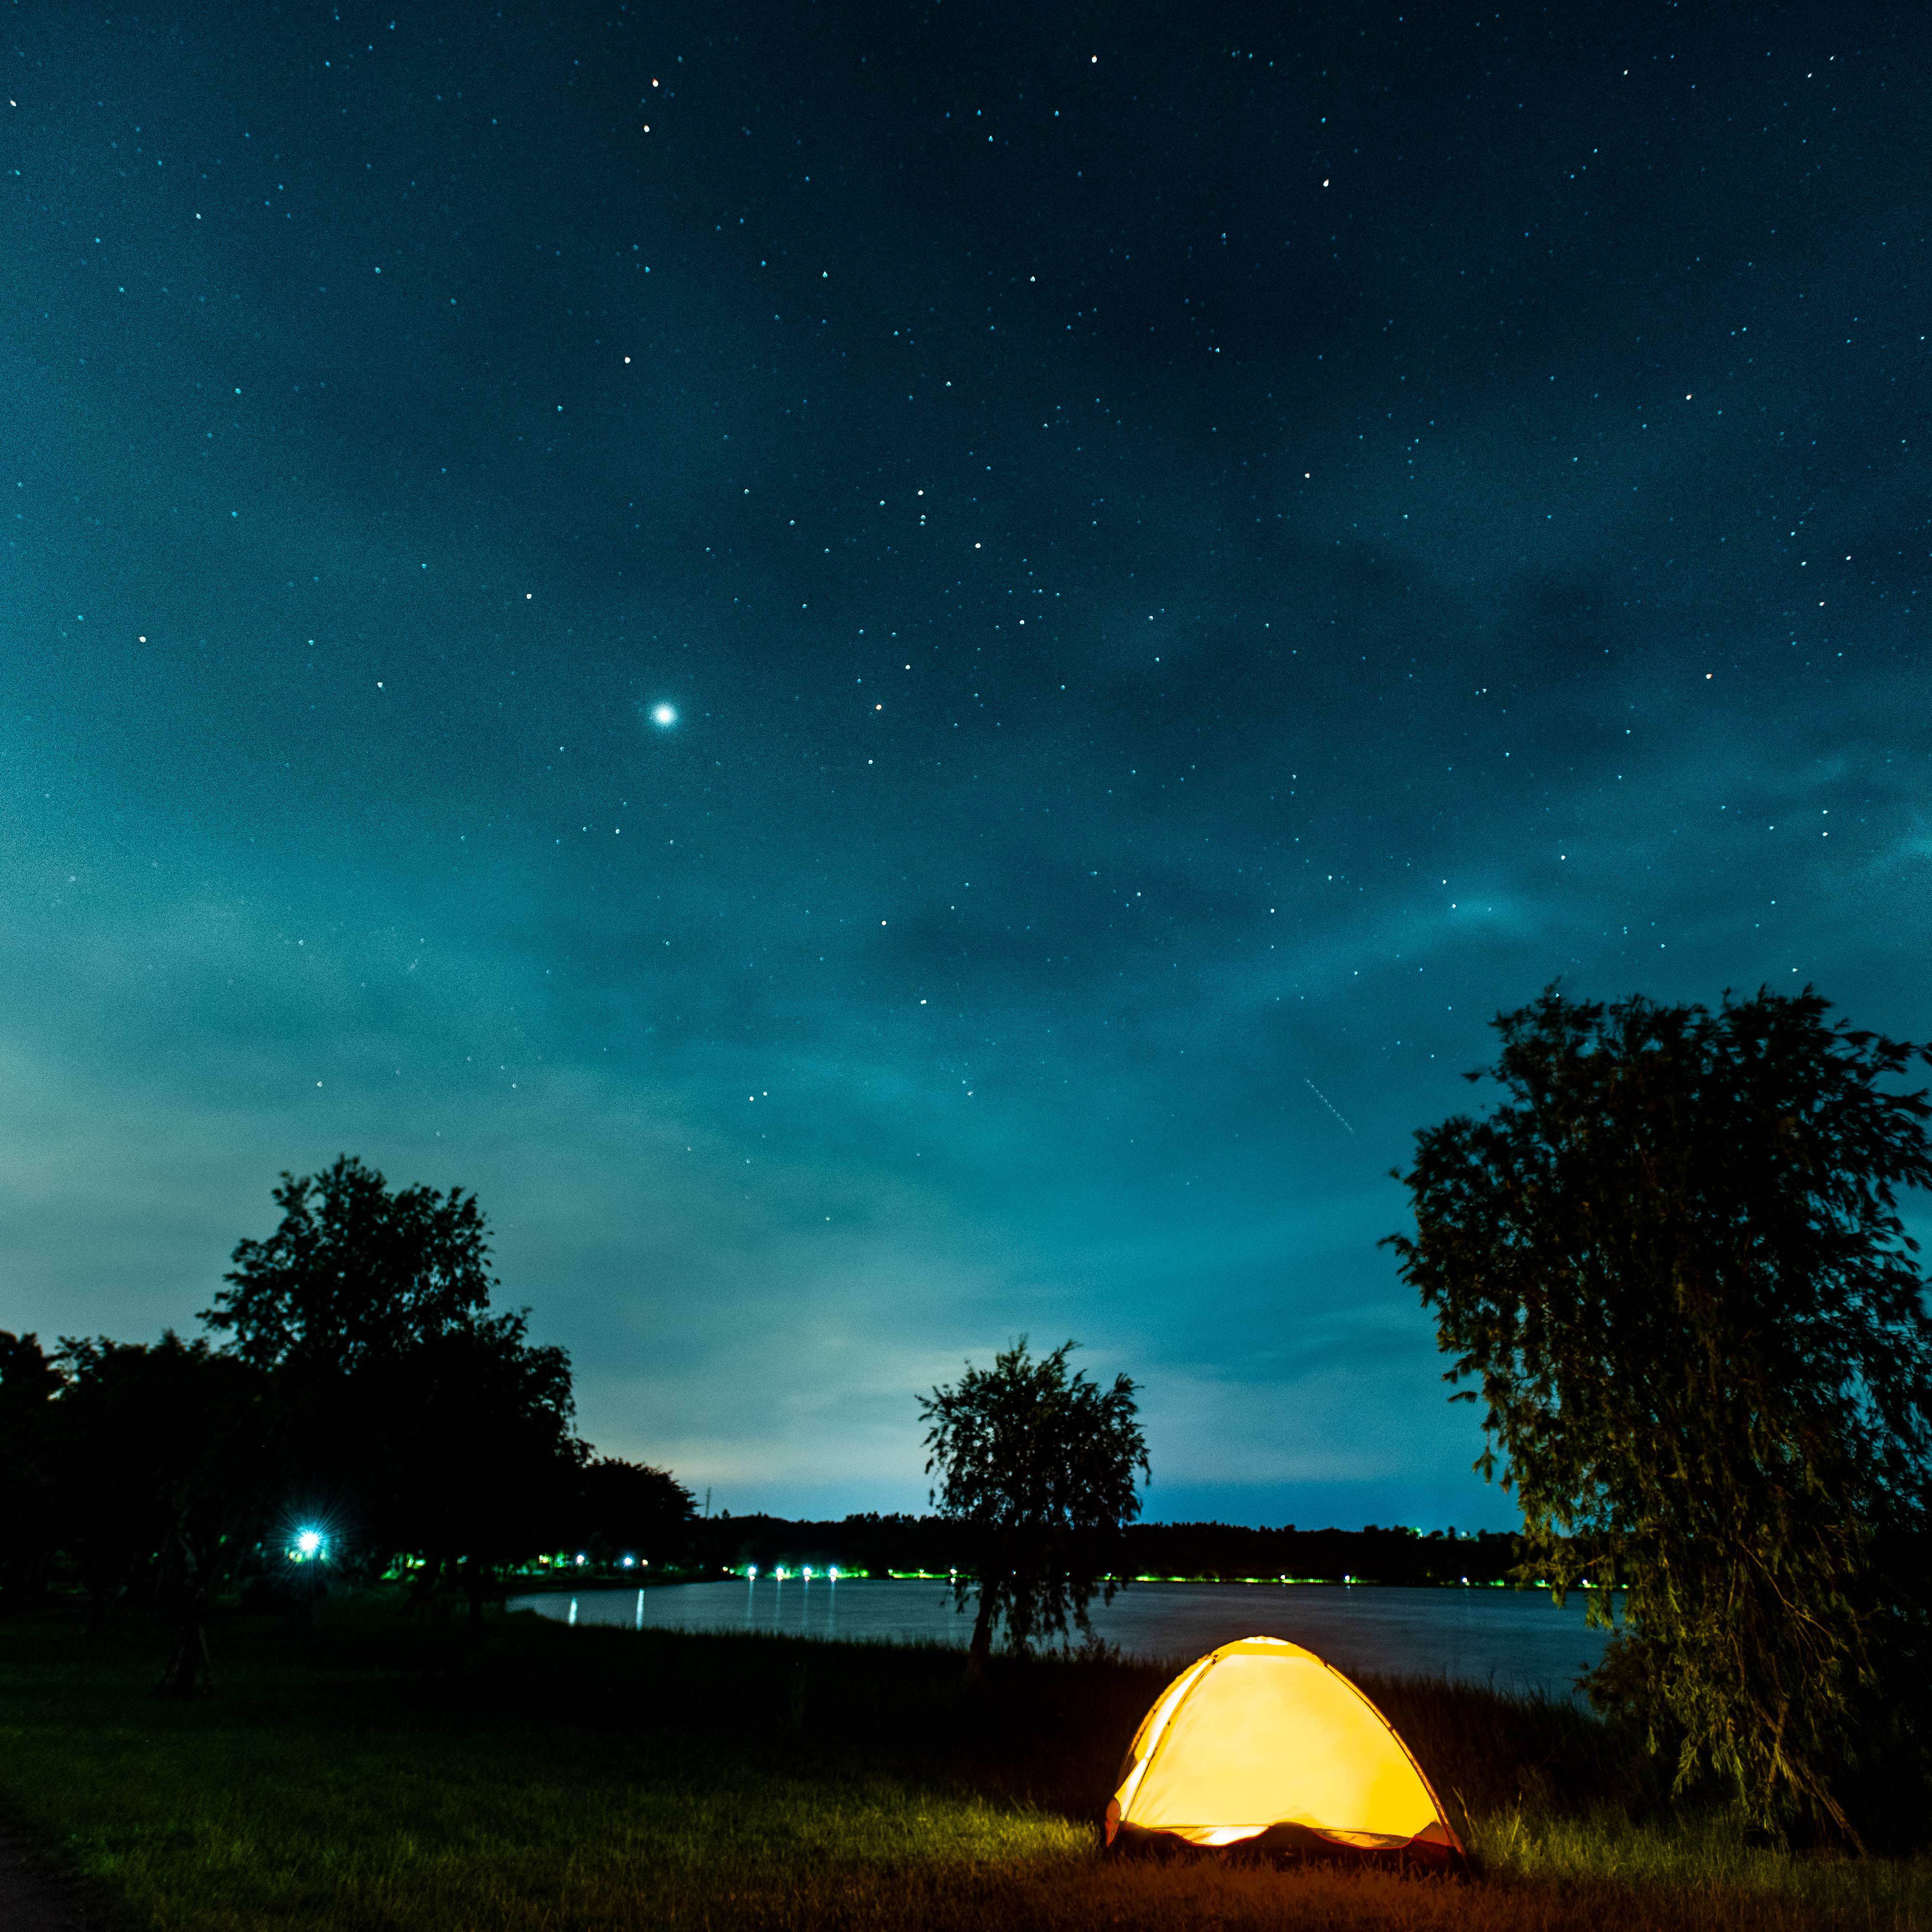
column 1038, row 1465
column 413, row 1421
column 353, row 1274
column 488, row 1466
column 29, row 1484
column 167, row 1479
column 1673, row 1260
column 111, row 1412
column 630, row 1509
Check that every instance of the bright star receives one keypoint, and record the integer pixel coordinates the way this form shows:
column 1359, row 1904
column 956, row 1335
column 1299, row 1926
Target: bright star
column 664, row 714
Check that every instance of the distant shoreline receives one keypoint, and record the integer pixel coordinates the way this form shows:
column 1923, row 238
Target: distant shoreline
column 1203, row 1552
column 553, row 1584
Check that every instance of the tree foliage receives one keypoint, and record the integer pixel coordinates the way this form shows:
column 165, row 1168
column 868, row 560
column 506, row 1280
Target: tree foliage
column 29, row 1483
column 630, row 1509
column 364, row 1392
column 1038, row 1463
column 485, row 1460
column 353, row 1274
column 412, row 1420
column 1672, row 1261
column 167, row 1478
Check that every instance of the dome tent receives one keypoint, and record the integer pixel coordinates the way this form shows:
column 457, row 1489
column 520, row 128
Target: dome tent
column 1263, row 1745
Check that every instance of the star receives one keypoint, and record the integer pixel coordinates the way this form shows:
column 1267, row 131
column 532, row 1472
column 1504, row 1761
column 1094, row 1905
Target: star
column 664, row 714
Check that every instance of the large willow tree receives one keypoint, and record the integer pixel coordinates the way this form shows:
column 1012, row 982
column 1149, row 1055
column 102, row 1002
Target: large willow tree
column 1671, row 1260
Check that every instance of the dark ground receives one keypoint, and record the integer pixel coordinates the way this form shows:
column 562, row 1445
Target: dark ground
column 33, row 1897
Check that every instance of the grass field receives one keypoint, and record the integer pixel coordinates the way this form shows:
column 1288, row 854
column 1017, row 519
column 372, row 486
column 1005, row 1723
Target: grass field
column 369, row 1773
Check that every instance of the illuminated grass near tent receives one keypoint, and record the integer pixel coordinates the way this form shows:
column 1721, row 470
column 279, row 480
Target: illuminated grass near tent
column 367, row 1771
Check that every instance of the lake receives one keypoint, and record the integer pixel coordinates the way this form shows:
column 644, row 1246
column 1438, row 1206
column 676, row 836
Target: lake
column 1517, row 1639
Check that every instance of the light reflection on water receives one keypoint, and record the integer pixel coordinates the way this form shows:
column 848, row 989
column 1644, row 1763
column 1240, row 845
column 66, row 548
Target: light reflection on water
column 1515, row 1638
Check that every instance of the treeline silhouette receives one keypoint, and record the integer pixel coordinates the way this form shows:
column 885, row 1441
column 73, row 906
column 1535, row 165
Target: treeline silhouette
column 1208, row 1551
column 357, row 1410
column 360, row 1411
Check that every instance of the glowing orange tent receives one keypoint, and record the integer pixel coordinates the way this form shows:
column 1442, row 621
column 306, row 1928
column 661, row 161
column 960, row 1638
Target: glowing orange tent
column 1262, row 1744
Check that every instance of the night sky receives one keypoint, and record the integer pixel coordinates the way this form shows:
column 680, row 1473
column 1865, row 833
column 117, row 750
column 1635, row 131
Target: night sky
column 912, row 674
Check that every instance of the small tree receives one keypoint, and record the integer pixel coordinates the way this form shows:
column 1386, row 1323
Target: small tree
column 1673, row 1260
column 1038, row 1465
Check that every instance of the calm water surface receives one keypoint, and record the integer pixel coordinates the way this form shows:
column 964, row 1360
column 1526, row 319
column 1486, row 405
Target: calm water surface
column 1515, row 1638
